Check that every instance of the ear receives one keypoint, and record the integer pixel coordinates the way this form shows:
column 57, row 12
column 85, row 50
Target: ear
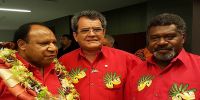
column 75, row 36
column 21, row 44
column 183, row 38
column 104, row 32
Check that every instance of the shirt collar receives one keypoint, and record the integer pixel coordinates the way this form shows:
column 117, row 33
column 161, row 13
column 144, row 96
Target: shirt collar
column 182, row 57
column 25, row 63
column 102, row 53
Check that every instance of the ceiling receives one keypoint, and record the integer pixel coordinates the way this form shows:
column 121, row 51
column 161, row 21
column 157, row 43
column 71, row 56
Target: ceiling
column 44, row 10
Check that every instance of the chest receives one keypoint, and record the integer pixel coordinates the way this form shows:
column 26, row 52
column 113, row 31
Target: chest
column 176, row 81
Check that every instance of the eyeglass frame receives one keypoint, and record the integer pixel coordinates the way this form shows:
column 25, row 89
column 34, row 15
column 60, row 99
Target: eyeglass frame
column 95, row 30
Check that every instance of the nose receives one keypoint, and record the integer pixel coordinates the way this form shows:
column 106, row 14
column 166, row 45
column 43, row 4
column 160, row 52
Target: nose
column 91, row 32
column 162, row 41
column 52, row 47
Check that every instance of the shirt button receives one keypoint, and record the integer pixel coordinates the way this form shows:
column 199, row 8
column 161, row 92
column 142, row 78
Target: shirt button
column 91, row 84
column 155, row 94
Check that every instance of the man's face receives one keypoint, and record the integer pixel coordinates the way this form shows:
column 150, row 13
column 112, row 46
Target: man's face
column 165, row 42
column 89, row 33
column 106, row 42
column 64, row 41
column 40, row 50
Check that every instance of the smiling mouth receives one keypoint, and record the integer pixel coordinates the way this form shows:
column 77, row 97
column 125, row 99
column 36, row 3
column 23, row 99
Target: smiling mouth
column 93, row 41
column 163, row 50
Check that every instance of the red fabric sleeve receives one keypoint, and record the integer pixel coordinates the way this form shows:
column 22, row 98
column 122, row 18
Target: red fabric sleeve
column 1, row 61
column 2, row 85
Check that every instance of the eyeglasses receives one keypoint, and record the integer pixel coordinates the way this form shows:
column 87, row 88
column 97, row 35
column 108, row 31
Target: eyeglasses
column 88, row 30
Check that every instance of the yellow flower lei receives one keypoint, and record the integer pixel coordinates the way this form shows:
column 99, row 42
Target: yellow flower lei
column 26, row 78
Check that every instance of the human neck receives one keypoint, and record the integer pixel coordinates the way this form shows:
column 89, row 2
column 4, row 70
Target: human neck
column 42, row 70
column 39, row 66
column 90, row 54
column 162, row 64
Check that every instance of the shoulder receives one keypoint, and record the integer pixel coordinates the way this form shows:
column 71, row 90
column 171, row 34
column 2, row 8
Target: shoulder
column 121, row 56
column 114, row 51
column 123, row 53
column 69, row 57
column 192, row 56
column 194, row 60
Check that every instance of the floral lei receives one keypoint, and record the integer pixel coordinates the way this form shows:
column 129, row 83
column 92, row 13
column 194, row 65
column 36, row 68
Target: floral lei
column 67, row 90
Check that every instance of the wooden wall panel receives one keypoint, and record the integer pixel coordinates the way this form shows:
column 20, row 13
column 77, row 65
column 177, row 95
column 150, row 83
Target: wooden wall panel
column 196, row 27
column 130, row 42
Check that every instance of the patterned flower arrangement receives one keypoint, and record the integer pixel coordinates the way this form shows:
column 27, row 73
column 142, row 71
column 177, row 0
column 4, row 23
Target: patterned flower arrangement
column 181, row 92
column 27, row 80
column 67, row 91
column 144, row 81
column 77, row 74
column 111, row 80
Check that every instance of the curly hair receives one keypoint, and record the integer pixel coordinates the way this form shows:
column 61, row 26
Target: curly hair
column 168, row 19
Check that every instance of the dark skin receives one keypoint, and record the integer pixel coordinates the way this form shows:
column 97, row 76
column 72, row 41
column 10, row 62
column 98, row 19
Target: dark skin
column 165, row 40
column 38, row 51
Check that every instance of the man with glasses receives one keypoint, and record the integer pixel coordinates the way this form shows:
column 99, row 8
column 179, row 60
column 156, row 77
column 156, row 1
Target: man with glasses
column 171, row 73
column 99, row 72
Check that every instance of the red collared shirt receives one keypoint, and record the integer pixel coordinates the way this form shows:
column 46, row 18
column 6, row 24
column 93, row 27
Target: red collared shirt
column 184, row 69
column 50, row 79
column 92, row 86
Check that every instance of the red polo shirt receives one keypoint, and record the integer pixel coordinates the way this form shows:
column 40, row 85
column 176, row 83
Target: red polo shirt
column 184, row 69
column 92, row 86
column 50, row 79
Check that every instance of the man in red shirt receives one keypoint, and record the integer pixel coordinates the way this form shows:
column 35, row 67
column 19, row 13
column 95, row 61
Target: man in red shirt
column 172, row 73
column 36, row 50
column 99, row 72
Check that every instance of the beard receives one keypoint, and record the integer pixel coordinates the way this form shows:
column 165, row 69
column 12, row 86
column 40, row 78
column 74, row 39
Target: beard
column 164, row 56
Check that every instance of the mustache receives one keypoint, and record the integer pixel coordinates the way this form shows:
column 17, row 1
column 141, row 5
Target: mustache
column 163, row 48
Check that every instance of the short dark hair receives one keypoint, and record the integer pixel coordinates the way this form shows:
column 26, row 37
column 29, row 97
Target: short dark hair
column 168, row 19
column 67, row 36
column 91, row 14
column 23, row 30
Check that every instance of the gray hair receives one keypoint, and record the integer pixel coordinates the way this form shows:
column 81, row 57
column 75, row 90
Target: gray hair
column 110, row 38
column 91, row 14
